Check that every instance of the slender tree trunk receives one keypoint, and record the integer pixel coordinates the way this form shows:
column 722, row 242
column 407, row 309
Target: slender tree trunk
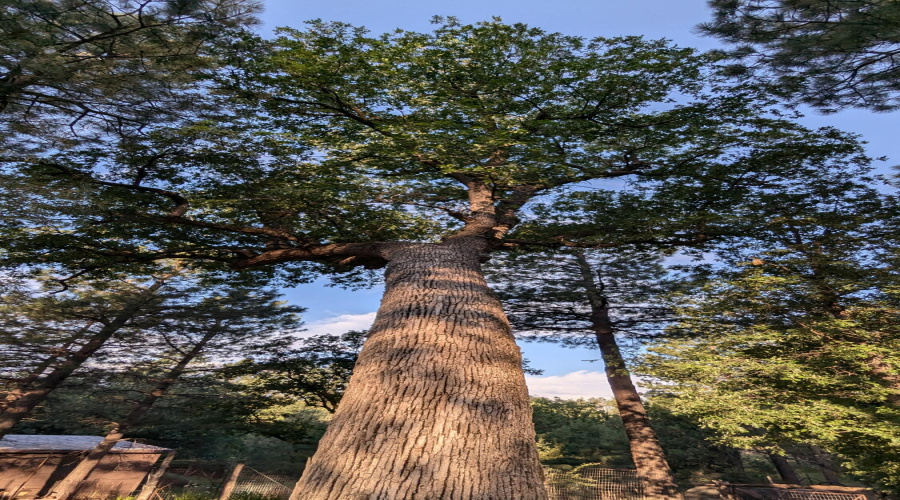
column 826, row 465
column 23, row 384
column 785, row 469
column 65, row 488
column 231, row 482
column 437, row 408
column 154, row 478
column 734, row 460
column 646, row 450
column 21, row 402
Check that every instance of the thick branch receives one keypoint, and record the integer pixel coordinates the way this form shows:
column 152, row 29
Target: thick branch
column 367, row 254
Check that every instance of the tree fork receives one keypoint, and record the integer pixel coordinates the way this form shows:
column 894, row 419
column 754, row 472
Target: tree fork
column 437, row 408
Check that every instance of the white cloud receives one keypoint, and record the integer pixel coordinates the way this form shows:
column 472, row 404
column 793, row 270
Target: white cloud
column 580, row 384
column 337, row 325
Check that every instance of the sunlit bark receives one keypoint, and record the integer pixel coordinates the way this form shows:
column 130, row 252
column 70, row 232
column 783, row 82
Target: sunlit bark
column 437, row 407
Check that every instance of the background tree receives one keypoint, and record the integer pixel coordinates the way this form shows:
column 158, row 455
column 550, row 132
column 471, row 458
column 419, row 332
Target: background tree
column 424, row 151
column 316, row 371
column 589, row 431
column 826, row 53
column 216, row 326
column 573, row 294
column 795, row 341
column 70, row 66
column 130, row 322
column 51, row 337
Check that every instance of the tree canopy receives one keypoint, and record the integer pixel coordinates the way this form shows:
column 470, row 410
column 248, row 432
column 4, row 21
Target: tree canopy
column 113, row 65
column 793, row 337
column 826, row 53
column 337, row 144
column 334, row 150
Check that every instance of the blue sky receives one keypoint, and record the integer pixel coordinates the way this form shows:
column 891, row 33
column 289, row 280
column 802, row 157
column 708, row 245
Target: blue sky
column 566, row 372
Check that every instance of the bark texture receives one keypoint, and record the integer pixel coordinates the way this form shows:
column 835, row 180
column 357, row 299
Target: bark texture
column 646, row 451
column 437, row 408
column 785, row 469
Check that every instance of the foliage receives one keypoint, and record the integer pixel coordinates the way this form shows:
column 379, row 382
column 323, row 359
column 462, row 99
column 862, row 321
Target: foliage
column 583, row 431
column 795, row 341
column 826, row 53
column 579, row 432
column 335, row 144
column 546, row 296
column 115, row 64
column 45, row 324
column 316, row 370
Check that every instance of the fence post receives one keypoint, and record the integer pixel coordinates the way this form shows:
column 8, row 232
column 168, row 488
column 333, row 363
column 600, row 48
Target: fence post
column 231, row 482
column 154, row 477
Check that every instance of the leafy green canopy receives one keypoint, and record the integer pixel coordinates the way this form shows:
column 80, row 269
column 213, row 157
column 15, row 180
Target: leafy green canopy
column 794, row 338
column 331, row 144
column 826, row 53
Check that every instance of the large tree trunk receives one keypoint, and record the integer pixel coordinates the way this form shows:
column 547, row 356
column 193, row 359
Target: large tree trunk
column 646, row 451
column 21, row 401
column 69, row 485
column 437, row 408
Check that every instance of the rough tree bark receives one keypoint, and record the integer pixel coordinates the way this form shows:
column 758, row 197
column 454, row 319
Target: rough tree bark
column 646, row 451
column 153, row 479
column 22, row 400
column 785, row 469
column 73, row 480
column 829, row 469
column 437, row 408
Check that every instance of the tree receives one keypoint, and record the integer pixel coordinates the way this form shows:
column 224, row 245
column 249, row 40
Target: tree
column 128, row 322
column 75, row 329
column 794, row 340
column 420, row 152
column 115, row 64
column 587, row 431
column 829, row 54
column 216, row 325
column 570, row 294
column 315, row 372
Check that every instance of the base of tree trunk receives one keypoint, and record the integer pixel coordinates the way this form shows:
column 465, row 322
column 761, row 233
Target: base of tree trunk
column 437, row 408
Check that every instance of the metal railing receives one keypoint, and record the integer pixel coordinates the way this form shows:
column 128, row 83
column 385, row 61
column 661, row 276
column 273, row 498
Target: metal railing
column 593, row 483
column 268, row 485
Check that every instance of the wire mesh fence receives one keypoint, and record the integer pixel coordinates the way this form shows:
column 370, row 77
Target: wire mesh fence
column 585, row 483
column 749, row 493
column 594, row 483
column 252, row 481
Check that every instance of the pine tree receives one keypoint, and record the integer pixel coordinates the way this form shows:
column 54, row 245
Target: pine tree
column 829, row 54
column 572, row 295
column 238, row 322
column 106, row 65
